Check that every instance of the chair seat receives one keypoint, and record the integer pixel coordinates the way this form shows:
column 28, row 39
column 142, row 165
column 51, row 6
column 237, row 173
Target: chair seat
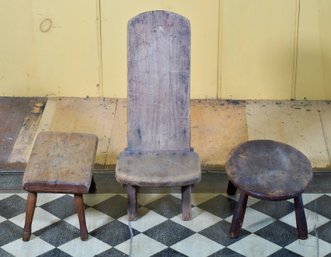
column 61, row 163
column 158, row 169
column 269, row 170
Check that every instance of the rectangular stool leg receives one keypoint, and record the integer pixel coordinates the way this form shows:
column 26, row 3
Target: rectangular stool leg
column 79, row 203
column 132, row 202
column 186, row 202
column 238, row 215
column 30, row 207
column 300, row 218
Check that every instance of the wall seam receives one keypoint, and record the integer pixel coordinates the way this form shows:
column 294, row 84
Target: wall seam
column 100, row 54
column 296, row 49
column 219, row 52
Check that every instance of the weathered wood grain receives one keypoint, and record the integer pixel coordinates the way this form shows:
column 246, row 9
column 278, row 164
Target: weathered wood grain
column 158, row 82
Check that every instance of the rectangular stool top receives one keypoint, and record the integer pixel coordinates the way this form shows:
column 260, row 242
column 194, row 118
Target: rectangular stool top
column 61, row 162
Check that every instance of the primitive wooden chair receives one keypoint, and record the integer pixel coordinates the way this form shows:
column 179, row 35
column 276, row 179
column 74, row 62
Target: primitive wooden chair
column 158, row 152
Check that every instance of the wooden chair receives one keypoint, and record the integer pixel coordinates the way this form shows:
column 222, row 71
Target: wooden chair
column 158, row 152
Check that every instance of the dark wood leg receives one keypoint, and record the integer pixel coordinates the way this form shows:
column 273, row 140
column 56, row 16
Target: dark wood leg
column 92, row 186
column 231, row 190
column 300, row 218
column 79, row 203
column 186, row 202
column 238, row 215
column 30, row 207
column 132, row 202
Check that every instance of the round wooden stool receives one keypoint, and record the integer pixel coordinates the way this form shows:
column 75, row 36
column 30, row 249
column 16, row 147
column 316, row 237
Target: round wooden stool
column 268, row 170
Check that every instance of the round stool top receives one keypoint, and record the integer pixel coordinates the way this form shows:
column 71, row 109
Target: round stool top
column 269, row 170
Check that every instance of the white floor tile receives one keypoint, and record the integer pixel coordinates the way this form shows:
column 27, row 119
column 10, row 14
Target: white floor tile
column 147, row 219
column 197, row 246
column 145, row 199
column 94, row 199
column 3, row 196
column 313, row 220
column 200, row 220
column 250, row 201
column 142, row 246
column 34, row 247
column 94, row 219
column 197, row 199
column 253, row 246
column 254, row 220
column 41, row 219
column 311, row 247
column 89, row 248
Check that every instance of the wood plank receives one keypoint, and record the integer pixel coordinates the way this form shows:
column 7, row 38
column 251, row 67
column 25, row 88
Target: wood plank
column 325, row 113
column 296, row 123
column 18, row 128
column 118, row 141
column 89, row 115
column 158, row 82
column 217, row 127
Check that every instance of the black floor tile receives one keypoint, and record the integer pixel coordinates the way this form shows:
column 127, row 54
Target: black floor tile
column 12, row 206
column 278, row 233
column 219, row 233
column 324, row 232
column 169, row 232
column 58, row 233
column 113, row 233
column 62, row 207
column 55, row 253
column 275, row 209
column 3, row 253
column 220, row 206
column 9, row 232
column 284, row 253
column 226, row 252
column 320, row 206
column 169, row 253
column 115, row 206
column 112, row 253
column 167, row 206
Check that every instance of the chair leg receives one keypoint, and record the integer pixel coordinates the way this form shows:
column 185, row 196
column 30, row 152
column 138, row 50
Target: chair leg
column 92, row 186
column 30, row 207
column 132, row 202
column 238, row 215
column 231, row 190
column 300, row 218
column 79, row 203
column 186, row 202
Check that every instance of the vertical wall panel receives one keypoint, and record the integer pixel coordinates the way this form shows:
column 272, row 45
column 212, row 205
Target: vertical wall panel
column 48, row 48
column 257, row 48
column 314, row 50
column 203, row 16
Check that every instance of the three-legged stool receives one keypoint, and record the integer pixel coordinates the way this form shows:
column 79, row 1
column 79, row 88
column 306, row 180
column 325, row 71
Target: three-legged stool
column 268, row 170
column 60, row 163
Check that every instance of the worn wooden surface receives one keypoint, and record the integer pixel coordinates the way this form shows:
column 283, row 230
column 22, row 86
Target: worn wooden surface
column 269, row 170
column 18, row 125
column 89, row 115
column 61, row 162
column 158, row 82
column 158, row 169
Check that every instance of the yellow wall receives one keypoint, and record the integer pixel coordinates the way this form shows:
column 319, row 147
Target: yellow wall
column 241, row 49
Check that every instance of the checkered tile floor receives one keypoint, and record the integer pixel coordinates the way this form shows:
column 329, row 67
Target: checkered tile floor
column 268, row 229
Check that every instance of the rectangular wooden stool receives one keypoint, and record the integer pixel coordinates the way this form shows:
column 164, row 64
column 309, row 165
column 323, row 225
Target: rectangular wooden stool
column 60, row 163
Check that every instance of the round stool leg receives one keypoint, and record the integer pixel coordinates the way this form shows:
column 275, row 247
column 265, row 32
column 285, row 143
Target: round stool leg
column 186, row 202
column 300, row 218
column 231, row 190
column 79, row 202
column 30, row 207
column 238, row 215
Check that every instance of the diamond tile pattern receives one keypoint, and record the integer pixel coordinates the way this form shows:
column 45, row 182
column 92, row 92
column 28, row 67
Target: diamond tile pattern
column 268, row 229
